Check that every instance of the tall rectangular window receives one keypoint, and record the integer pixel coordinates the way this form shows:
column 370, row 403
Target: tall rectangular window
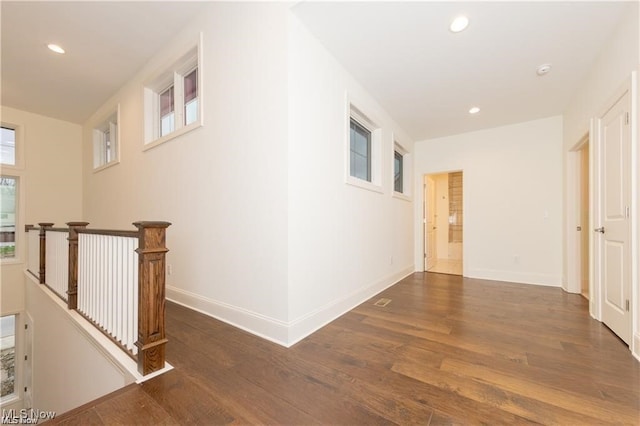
column 167, row 108
column 8, row 198
column 8, row 354
column 105, row 142
column 398, row 171
column 360, row 151
column 191, row 97
column 8, row 146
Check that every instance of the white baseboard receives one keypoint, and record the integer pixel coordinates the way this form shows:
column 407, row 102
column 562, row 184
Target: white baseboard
column 550, row 280
column 261, row 325
column 307, row 324
column 635, row 351
column 282, row 332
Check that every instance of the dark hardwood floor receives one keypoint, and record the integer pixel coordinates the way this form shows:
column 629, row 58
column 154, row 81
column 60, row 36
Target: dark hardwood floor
column 446, row 350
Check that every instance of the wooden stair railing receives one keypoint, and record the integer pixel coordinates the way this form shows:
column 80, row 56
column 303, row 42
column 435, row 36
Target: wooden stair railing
column 151, row 252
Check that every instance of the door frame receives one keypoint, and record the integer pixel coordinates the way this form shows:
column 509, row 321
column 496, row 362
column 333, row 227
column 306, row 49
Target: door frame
column 424, row 217
column 595, row 192
column 574, row 184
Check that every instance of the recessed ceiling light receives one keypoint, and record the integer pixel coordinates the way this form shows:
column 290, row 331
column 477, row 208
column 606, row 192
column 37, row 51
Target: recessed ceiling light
column 459, row 24
column 55, row 48
column 543, row 69
column 474, row 110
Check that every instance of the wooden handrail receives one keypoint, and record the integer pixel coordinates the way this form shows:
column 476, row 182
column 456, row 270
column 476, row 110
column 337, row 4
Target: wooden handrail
column 151, row 295
column 151, row 252
column 111, row 232
column 43, row 249
column 72, row 290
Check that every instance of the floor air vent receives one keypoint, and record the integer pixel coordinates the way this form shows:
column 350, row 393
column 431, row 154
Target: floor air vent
column 382, row 302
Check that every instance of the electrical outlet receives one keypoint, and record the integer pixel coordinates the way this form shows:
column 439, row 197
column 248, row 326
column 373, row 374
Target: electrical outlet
column 516, row 259
column 169, row 269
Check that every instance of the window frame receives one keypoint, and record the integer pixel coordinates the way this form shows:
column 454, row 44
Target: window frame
column 16, row 395
column 19, row 146
column 369, row 123
column 397, row 156
column 407, row 171
column 17, row 257
column 169, row 76
column 360, row 129
column 112, row 123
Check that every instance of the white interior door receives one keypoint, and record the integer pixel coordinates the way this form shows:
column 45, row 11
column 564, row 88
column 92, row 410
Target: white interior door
column 613, row 234
column 430, row 224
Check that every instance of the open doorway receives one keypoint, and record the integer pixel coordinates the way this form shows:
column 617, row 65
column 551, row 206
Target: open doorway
column 443, row 223
column 579, row 210
column 583, row 220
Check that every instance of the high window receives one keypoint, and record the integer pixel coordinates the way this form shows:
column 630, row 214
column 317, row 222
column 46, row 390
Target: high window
column 8, row 203
column 360, row 151
column 173, row 100
column 398, row 171
column 105, row 142
column 363, row 142
column 7, row 146
column 402, row 171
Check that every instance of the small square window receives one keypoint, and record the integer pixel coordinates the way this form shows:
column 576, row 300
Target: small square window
column 8, row 146
column 398, row 171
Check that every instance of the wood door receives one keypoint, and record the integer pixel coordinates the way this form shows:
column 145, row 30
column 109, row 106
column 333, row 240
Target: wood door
column 430, row 224
column 613, row 234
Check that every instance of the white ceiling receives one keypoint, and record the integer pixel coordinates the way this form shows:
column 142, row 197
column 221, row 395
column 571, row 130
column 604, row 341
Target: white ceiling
column 106, row 44
column 402, row 52
column 427, row 78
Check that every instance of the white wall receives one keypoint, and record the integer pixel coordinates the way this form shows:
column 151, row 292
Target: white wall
column 346, row 243
column 68, row 368
column 50, row 190
column 266, row 235
column 224, row 185
column 50, row 182
column 512, row 199
column 619, row 57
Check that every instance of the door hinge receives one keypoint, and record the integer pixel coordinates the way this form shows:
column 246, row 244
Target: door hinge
column 627, row 307
column 626, row 212
column 26, row 326
column 25, row 357
column 626, row 118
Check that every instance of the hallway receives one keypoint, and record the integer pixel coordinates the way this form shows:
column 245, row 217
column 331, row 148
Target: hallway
column 445, row 350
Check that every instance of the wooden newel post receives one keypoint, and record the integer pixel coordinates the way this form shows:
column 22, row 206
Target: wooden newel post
column 151, row 295
column 43, row 250
column 72, row 287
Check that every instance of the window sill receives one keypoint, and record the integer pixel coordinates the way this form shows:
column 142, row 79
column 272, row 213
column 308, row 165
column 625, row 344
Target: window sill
column 369, row 186
column 176, row 133
column 11, row 261
column 10, row 399
column 401, row 196
column 105, row 166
